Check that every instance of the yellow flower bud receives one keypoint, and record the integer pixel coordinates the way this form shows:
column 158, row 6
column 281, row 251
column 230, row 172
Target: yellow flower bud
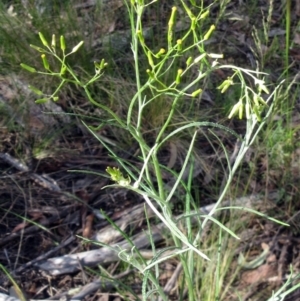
column 42, row 38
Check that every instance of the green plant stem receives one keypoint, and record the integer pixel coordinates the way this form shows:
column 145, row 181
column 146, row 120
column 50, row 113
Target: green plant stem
column 287, row 33
column 188, row 275
column 135, row 27
column 250, row 136
column 105, row 108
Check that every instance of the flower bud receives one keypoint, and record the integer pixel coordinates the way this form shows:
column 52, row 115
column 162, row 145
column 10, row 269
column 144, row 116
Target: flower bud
column 35, row 90
column 77, row 47
column 150, row 60
column 41, row 100
column 62, row 43
column 28, row 68
column 196, row 93
column 179, row 44
column 39, row 49
column 178, row 77
column 207, row 35
column 53, row 41
column 44, row 41
column 189, row 61
column 45, row 62
column 225, row 85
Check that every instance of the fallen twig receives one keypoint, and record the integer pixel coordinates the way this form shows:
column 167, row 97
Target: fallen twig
column 44, row 256
column 32, row 229
column 69, row 263
column 171, row 282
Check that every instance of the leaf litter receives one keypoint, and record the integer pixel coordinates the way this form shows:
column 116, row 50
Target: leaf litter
column 44, row 206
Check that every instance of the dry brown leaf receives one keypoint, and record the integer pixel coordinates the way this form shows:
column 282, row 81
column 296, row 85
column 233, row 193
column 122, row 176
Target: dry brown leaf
column 262, row 273
column 271, row 259
column 36, row 217
column 298, row 8
column 104, row 297
column 265, row 246
column 173, row 155
column 297, row 38
column 87, row 230
column 19, row 227
column 166, row 275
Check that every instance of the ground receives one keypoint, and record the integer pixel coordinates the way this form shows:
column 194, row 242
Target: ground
column 53, row 169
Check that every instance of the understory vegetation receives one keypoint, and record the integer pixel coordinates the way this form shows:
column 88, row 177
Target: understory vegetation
column 149, row 149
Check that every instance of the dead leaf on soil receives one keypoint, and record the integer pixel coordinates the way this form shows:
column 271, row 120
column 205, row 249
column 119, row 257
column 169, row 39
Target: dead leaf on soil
column 104, row 297
column 36, row 216
column 87, row 230
column 262, row 273
column 173, row 155
column 298, row 7
column 297, row 38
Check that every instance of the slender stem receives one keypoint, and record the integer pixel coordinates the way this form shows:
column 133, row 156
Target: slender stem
column 105, row 108
column 287, row 30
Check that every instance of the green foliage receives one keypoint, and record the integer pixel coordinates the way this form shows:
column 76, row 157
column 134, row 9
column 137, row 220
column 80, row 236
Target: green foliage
column 160, row 80
column 117, row 176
